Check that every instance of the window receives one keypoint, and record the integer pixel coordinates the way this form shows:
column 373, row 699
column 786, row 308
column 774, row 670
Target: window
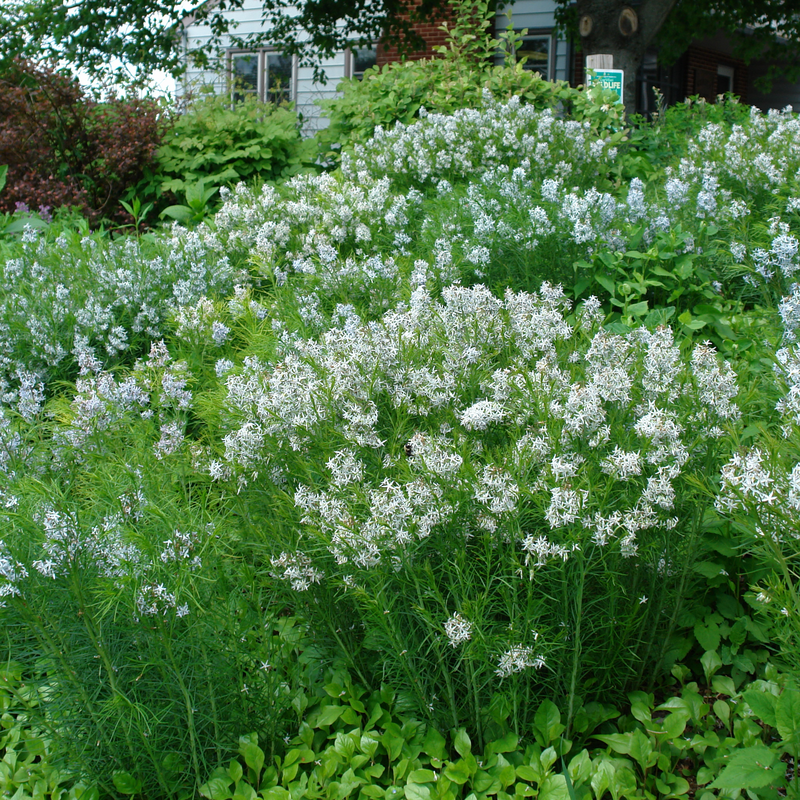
column 244, row 75
column 360, row 59
column 724, row 79
column 265, row 74
column 536, row 49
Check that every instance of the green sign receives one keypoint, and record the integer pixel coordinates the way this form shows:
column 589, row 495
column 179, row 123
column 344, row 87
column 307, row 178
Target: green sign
column 607, row 79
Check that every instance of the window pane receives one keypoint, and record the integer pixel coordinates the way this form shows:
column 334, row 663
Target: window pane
column 244, row 71
column 279, row 78
column 363, row 59
column 537, row 51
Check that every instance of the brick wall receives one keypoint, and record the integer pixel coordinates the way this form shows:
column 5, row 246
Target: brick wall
column 577, row 75
column 701, row 73
column 431, row 34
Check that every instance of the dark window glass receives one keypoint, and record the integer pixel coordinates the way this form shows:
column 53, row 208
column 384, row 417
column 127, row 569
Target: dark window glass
column 244, row 69
column 536, row 49
column 363, row 59
column 279, row 78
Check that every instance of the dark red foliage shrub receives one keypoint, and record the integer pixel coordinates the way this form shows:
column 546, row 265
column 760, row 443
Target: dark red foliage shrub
column 64, row 148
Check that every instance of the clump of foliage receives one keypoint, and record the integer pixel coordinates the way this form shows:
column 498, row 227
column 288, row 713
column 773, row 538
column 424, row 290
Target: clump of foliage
column 222, row 142
column 349, row 421
column 458, row 77
column 63, row 148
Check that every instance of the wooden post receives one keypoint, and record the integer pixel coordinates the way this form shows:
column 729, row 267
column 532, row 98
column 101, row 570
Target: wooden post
column 600, row 61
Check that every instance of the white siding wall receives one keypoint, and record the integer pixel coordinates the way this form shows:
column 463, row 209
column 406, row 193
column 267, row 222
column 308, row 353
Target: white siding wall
column 537, row 17
column 305, row 91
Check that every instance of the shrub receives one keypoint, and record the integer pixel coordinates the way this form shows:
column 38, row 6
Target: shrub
column 222, row 143
column 459, row 78
column 63, row 148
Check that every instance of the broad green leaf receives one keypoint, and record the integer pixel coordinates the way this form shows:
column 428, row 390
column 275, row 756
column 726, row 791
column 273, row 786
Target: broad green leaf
column 508, row 744
column 641, row 749
column 547, row 723
column 638, row 309
column 458, row 772
column 369, row 744
column 708, row 569
column 276, row 793
column 606, row 282
column 641, row 706
column 618, row 742
column 750, row 768
column 554, row 788
column 484, row 783
column 580, row 768
column 344, row 745
column 708, row 635
column 434, row 744
column 350, row 782
column 601, row 780
column 710, row 662
column 527, row 773
column 416, row 792
column 421, row 776
column 548, row 758
column 723, row 684
column 218, row 789
column 329, row 715
column 254, row 757
column 235, row 771
column 18, row 225
column 744, row 663
column 462, row 743
column 244, row 791
column 125, row 783
column 722, row 711
column 787, row 715
column 180, row 213
column 674, row 724
column 763, row 705
column 393, row 744
column 623, row 783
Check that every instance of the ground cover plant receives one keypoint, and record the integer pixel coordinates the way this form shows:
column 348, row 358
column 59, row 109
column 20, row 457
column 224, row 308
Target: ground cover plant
column 417, row 477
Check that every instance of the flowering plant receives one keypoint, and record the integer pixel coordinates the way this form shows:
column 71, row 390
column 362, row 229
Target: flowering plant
column 479, row 487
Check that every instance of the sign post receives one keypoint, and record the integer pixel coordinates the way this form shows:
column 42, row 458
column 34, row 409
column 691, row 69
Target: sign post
column 600, row 72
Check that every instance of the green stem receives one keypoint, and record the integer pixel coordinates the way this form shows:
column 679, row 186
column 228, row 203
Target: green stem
column 187, row 703
column 471, row 673
column 576, row 651
column 213, row 699
column 94, row 636
column 438, row 649
column 688, row 562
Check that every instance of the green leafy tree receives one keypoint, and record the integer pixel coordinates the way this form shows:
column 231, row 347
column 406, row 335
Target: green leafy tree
column 145, row 34
column 768, row 29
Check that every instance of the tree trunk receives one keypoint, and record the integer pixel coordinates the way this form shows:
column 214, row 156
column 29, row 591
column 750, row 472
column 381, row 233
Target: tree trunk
column 623, row 31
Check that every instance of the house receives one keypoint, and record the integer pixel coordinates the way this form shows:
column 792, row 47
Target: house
column 707, row 68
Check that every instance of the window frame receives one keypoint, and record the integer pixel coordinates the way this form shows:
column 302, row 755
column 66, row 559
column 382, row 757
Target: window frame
column 262, row 88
